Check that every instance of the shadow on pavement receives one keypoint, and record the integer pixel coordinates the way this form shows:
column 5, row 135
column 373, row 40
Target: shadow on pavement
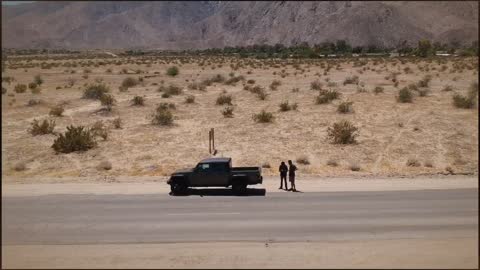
column 220, row 192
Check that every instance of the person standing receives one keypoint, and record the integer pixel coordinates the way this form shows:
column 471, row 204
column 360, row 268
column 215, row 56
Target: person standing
column 283, row 169
column 291, row 175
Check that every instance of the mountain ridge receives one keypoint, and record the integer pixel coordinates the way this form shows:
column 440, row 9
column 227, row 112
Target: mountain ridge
column 216, row 24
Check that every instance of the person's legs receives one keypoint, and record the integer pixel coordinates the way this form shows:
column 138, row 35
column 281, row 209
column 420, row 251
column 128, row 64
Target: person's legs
column 293, row 184
column 285, row 180
column 281, row 182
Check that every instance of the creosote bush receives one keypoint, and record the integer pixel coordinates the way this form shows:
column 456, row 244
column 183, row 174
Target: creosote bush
column 46, row 127
column 285, row 106
column 263, row 117
column 342, row 132
column 74, row 139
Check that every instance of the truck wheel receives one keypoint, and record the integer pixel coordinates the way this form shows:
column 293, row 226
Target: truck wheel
column 178, row 188
column 239, row 188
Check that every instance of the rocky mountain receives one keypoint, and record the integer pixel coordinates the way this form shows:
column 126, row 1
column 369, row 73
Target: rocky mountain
column 205, row 24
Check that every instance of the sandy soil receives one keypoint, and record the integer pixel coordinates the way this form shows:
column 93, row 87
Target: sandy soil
column 430, row 130
column 155, row 185
column 397, row 253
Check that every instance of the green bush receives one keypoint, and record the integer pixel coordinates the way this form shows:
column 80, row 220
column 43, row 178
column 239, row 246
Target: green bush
column 342, row 132
column 95, row 91
column 46, row 127
column 345, row 107
column 224, row 99
column 74, row 139
column 172, row 71
column 263, row 117
column 138, row 101
column 405, row 95
column 20, row 88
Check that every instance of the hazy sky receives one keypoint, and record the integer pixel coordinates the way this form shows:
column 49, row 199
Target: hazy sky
column 6, row 3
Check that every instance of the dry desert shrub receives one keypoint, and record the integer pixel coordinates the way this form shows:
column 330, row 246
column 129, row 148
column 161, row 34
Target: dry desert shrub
column 190, row 99
column 172, row 71
column 228, row 112
column 162, row 115
column 351, row 80
column 285, row 106
column 138, row 101
column 345, row 107
column 342, row 132
column 46, row 127
column 405, row 96
column 95, row 91
column 107, row 101
column 326, row 96
column 468, row 101
column 129, row 82
column 117, row 123
column 56, row 111
column 275, row 84
column 303, row 160
column 354, row 166
column 413, row 162
column 20, row 88
column 20, row 166
column 104, row 165
column 378, row 90
column 332, row 163
column 263, row 117
column 74, row 139
column 316, row 85
column 224, row 99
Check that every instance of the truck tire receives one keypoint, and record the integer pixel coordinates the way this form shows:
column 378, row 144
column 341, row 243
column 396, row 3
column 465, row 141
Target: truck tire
column 239, row 188
column 178, row 187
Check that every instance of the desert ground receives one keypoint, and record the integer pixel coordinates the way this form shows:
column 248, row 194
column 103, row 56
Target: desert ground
column 429, row 136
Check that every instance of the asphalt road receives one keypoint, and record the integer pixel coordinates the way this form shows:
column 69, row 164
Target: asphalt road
column 214, row 215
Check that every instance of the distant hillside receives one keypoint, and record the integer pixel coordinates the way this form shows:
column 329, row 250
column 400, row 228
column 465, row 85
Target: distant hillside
column 207, row 24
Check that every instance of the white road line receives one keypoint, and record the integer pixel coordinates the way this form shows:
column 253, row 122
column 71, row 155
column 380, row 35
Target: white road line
column 189, row 214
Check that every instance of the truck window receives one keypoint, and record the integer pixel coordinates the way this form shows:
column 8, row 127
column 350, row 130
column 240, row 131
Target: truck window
column 219, row 167
column 204, row 167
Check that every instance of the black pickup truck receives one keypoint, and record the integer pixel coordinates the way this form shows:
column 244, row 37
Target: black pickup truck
column 215, row 172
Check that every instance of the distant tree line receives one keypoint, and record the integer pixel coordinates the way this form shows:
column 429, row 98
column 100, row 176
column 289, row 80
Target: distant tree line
column 424, row 48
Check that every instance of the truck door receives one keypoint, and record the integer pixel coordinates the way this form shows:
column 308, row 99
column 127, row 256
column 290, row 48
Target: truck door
column 220, row 173
column 200, row 175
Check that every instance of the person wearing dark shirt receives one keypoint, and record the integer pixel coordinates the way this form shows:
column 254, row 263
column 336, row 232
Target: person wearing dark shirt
column 283, row 169
column 291, row 175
